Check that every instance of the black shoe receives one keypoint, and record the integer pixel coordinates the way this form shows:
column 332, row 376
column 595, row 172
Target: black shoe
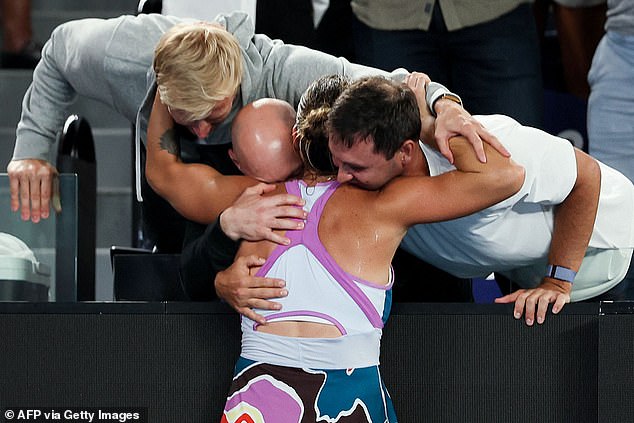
column 27, row 58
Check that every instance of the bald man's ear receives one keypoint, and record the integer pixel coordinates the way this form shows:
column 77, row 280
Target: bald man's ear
column 234, row 159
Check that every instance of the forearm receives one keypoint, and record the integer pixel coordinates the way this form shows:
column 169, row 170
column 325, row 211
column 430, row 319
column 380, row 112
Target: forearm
column 483, row 184
column 207, row 251
column 497, row 170
column 44, row 108
column 72, row 64
column 575, row 216
column 438, row 98
column 302, row 66
column 295, row 68
column 428, row 126
column 452, row 194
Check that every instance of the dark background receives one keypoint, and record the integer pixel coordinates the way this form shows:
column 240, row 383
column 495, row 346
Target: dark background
column 441, row 362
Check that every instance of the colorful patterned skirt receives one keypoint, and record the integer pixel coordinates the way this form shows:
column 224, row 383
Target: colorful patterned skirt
column 266, row 393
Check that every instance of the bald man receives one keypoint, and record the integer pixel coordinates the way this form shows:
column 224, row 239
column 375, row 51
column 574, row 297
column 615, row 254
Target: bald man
column 262, row 143
column 262, row 147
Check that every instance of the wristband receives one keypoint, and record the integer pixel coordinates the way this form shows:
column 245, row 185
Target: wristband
column 560, row 273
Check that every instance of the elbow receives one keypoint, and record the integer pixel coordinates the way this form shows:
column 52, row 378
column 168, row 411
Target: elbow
column 510, row 179
column 587, row 167
column 588, row 173
column 518, row 176
column 156, row 179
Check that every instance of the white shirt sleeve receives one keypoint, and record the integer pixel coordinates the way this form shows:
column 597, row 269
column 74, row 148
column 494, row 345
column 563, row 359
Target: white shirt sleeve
column 549, row 161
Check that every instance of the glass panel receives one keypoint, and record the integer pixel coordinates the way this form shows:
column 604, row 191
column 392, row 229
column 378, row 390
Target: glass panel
column 52, row 241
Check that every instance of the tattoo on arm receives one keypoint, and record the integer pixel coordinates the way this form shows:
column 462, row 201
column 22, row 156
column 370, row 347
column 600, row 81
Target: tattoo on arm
column 169, row 143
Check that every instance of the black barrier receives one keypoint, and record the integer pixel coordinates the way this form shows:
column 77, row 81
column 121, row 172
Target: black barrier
column 139, row 275
column 616, row 354
column 441, row 362
column 76, row 154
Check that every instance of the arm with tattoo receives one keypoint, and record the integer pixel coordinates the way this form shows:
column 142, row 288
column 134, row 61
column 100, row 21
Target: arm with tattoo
column 183, row 184
column 168, row 142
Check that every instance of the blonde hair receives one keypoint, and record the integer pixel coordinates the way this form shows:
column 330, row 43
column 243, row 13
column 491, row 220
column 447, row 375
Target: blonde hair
column 197, row 65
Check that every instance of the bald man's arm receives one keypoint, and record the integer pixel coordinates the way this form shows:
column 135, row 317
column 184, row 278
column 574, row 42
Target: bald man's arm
column 206, row 251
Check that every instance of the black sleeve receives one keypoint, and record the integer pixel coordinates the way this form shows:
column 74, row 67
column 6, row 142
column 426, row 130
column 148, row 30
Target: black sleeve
column 206, row 251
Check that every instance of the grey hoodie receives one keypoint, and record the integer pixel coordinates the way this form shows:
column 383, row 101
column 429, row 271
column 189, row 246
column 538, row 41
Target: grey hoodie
column 110, row 60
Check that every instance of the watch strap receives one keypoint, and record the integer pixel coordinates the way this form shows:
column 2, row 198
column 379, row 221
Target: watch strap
column 435, row 92
column 560, row 273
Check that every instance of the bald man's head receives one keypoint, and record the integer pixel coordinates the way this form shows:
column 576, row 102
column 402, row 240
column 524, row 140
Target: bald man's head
column 262, row 141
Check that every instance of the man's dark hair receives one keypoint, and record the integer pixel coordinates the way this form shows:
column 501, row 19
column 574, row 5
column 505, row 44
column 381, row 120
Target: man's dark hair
column 378, row 110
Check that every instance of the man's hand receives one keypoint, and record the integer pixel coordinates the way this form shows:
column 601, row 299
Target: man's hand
column 34, row 188
column 549, row 291
column 244, row 292
column 454, row 120
column 417, row 82
column 254, row 217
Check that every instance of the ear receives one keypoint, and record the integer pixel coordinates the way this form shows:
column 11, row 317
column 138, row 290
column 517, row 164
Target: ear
column 234, row 159
column 406, row 151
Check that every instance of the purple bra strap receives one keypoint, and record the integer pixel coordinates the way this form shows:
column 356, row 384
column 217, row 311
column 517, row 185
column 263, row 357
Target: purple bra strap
column 311, row 240
column 309, row 236
column 292, row 187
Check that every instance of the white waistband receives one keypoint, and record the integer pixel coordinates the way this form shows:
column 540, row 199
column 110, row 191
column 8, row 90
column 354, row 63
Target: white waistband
column 349, row 351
